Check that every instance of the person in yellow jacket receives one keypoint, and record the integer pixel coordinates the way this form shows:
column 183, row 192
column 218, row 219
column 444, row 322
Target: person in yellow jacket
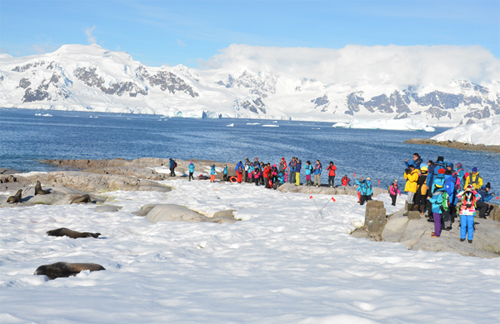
column 411, row 177
column 474, row 179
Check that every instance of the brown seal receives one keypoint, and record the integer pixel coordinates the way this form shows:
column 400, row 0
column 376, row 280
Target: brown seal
column 16, row 198
column 65, row 269
column 81, row 199
column 39, row 190
column 73, row 234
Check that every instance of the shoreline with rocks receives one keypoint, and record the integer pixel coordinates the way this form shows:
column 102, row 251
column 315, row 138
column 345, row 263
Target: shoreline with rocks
column 456, row 145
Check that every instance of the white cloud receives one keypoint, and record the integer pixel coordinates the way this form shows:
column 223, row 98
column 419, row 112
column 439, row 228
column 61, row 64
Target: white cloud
column 90, row 38
column 357, row 65
column 180, row 42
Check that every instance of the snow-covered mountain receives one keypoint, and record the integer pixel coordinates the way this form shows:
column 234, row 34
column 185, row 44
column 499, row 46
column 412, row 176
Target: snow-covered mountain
column 78, row 77
column 485, row 132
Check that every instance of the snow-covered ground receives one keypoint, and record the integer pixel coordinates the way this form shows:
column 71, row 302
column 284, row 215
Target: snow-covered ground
column 281, row 264
column 484, row 132
column 388, row 124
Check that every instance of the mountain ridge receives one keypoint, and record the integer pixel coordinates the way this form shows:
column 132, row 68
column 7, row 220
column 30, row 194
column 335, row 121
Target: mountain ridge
column 91, row 78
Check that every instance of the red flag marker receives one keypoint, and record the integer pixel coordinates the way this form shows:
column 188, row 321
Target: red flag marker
column 311, row 197
column 497, row 198
column 354, row 174
column 333, row 199
column 379, row 183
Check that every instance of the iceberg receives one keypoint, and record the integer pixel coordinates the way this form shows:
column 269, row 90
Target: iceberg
column 405, row 124
column 485, row 132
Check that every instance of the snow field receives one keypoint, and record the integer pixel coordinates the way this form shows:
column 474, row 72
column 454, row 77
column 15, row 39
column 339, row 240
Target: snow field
column 407, row 124
column 279, row 265
column 484, row 132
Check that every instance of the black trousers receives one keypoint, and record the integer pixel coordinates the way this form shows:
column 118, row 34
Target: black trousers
column 331, row 181
column 483, row 207
column 363, row 199
column 191, row 176
column 394, row 197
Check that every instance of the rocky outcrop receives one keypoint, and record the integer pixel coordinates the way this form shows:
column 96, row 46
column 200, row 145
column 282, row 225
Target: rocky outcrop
column 457, row 145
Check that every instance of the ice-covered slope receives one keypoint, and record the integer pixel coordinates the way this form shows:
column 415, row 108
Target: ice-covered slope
column 249, row 82
column 486, row 132
column 389, row 124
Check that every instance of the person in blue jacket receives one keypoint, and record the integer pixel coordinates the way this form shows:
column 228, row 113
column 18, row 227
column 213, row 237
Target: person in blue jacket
column 172, row 164
column 438, row 196
column 309, row 170
column 417, row 160
column 486, row 196
column 212, row 173
column 433, row 171
column 366, row 190
column 225, row 173
column 191, row 171
column 240, row 170
column 317, row 173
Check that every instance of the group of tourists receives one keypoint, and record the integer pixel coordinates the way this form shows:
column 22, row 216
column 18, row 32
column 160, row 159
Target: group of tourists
column 445, row 191
column 272, row 176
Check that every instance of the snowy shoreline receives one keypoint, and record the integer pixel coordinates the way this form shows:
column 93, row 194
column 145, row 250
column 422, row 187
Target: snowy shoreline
column 456, row 145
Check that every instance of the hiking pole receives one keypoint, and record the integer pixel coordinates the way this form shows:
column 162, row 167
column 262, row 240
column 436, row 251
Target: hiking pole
column 316, row 207
column 324, row 207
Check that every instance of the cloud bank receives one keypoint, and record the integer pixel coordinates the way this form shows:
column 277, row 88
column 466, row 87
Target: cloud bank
column 90, row 38
column 358, row 65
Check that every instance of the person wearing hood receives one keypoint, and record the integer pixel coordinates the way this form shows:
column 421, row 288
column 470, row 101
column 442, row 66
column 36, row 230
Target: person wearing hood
column 239, row 169
column 416, row 162
column 438, row 201
column 474, row 179
column 467, row 212
column 191, row 170
column 212, row 173
column 394, row 191
column 256, row 174
column 247, row 165
column 346, row 181
column 358, row 187
column 172, row 165
column 411, row 177
column 366, row 190
column 433, row 171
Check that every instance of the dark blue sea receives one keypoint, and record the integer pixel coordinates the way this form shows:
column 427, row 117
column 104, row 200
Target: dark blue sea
column 27, row 138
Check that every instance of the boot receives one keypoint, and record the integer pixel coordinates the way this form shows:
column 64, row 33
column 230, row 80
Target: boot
column 407, row 208
column 470, row 241
column 410, row 208
column 415, row 208
column 461, row 240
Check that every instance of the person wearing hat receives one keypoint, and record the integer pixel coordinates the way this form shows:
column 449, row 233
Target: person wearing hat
column 393, row 191
column 225, row 173
column 366, row 190
column 467, row 212
column 420, row 200
column 486, row 196
column 437, row 199
column 411, row 177
column 474, row 179
column 358, row 185
column 212, row 173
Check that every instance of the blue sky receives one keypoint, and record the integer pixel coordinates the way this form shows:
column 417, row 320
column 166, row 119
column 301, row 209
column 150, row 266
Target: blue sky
column 183, row 31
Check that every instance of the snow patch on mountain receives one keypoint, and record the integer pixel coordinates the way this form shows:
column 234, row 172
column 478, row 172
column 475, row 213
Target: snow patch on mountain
column 388, row 124
column 485, row 132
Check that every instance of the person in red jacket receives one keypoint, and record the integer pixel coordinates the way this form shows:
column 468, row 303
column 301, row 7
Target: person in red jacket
column 331, row 174
column 266, row 172
column 346, row 181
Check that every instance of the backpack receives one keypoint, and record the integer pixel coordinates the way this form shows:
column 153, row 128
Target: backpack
column 389, row 189
column 240, row 169
column 175, row 164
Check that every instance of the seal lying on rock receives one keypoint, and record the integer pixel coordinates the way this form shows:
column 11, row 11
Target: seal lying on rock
column 63, row 231
column 16, row 198
column 39, row 190
column 65, row 269
column 81, row 199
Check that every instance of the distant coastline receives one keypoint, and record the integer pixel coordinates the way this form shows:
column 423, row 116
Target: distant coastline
column 457, row 145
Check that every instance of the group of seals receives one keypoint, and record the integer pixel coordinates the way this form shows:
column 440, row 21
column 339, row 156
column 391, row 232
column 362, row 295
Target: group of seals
column 65, row 269
column 73, row 234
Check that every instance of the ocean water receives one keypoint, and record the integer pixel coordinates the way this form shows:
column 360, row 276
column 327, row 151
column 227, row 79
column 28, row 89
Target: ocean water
column 27, row 138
